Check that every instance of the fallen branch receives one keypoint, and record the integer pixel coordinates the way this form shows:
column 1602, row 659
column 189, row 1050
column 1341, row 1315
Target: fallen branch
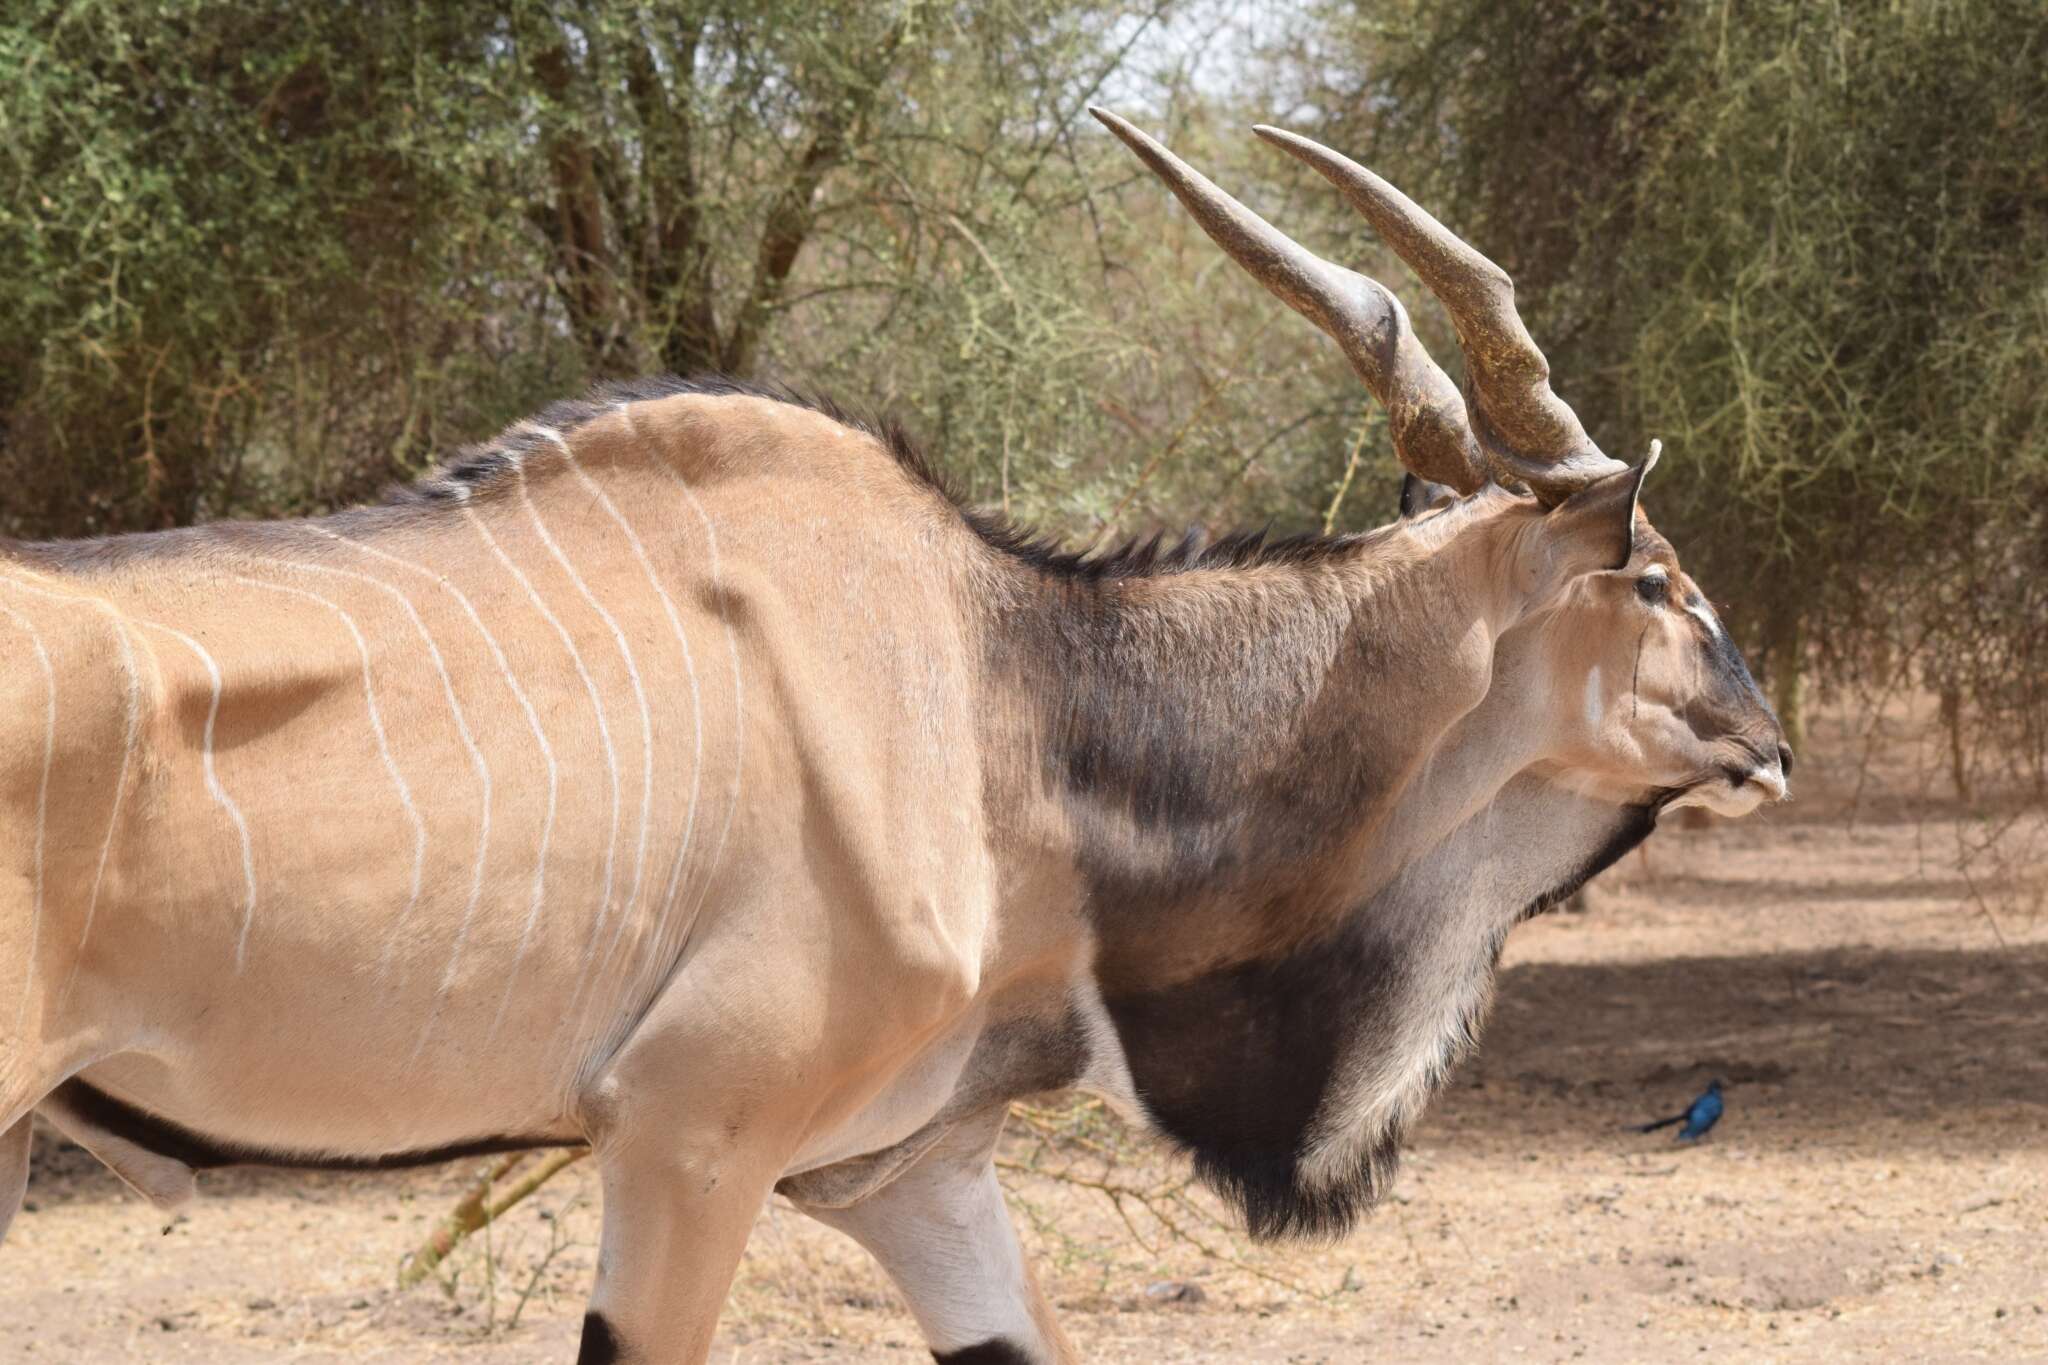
column 478, row 1209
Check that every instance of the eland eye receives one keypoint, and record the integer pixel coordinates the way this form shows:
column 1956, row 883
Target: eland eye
column 1653, row 588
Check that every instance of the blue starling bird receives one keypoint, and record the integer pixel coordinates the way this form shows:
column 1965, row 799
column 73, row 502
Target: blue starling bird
column 1702, row 1114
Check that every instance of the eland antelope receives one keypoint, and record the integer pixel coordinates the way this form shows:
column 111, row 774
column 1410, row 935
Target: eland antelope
column 685, row 773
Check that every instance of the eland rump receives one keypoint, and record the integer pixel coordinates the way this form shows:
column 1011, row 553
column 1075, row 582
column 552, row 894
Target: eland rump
column 685, row 773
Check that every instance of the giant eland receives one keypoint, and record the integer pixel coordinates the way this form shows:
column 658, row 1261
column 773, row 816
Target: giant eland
column 686, row 773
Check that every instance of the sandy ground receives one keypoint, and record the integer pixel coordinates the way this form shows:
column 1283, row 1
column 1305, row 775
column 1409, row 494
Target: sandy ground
column 1878, row 1190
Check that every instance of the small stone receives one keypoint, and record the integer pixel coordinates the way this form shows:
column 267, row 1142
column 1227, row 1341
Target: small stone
column 261, row 1305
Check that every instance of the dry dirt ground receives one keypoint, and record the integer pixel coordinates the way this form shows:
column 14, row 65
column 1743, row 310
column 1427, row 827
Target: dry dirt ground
column 1877, row 1190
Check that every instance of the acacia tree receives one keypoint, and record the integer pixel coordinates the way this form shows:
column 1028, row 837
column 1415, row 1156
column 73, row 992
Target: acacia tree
column 260, row 258
column 1805, row 245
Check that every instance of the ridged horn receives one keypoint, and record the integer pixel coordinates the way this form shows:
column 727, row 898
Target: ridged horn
column 1525, row 429
column 1427, row 415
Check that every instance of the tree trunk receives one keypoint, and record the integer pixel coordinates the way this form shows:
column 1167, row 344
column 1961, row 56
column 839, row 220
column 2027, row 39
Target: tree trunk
column 1952, row 725
column 1785, row 661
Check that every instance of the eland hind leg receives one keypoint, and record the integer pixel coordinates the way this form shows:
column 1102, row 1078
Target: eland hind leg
column 14, row 1145
column 166, row 1182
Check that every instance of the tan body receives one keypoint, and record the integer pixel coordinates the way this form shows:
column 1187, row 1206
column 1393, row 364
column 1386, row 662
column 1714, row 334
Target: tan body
column 801, row 890
column 684, row 773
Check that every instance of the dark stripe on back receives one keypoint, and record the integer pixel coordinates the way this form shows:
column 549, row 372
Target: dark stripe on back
column 478, row 467
column 162, row 1137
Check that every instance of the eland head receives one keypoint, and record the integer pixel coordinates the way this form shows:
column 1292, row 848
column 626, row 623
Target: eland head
column 1652, row 699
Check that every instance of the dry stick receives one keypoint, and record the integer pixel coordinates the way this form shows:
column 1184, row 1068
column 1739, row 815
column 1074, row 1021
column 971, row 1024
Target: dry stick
column 1350, row 469
column 466, row 1217
column 1155, row 1201
column 558, row 1242
column 478, row 1209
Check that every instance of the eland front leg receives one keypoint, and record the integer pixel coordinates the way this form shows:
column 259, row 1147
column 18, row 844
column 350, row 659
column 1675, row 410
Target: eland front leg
column 675, row 1224
column 942, row 1232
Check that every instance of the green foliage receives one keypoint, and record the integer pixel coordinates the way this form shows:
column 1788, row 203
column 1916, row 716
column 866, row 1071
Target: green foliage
column 228, row 229
column 258, row 259
column 1806, row 245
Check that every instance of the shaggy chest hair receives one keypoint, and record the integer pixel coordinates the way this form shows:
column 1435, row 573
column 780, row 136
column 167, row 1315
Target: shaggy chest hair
column 1291, row 1078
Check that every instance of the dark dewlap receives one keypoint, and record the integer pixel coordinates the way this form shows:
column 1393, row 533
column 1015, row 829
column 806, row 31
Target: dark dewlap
column 1235, row 1064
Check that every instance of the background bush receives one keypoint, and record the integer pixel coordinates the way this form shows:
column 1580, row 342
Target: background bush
column 258, row 259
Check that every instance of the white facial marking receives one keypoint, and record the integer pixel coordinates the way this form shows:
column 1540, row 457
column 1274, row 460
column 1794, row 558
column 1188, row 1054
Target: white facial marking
column 1704, row 614
column 219, row 793
column 1594, row 699
column 35, row 914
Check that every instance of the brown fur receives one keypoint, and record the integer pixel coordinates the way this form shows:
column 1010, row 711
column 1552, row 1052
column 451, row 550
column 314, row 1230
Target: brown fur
column 686, row 773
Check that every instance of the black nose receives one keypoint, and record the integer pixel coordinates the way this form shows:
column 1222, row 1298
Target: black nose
column 1784, row 760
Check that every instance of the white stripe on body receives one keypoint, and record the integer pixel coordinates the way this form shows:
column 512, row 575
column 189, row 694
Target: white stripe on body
column 215, row 790
column 476, row 763
column 133, row 733
column 35, row 914
column 665, row 957
column 604, row 731
column 412, row 811
column 639, row 697
column 739, row 709
column 667, row 903
column 540, row 738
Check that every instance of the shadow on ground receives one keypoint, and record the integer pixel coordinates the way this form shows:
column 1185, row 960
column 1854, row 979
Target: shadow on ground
column 1937, row 1049
column 1817, row 1047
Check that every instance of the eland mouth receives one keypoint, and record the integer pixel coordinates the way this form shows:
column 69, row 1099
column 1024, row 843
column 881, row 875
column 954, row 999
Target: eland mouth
column 1737, row 788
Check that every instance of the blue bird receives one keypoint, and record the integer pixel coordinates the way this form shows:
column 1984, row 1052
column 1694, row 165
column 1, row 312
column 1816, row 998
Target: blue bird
column 1702, row 1114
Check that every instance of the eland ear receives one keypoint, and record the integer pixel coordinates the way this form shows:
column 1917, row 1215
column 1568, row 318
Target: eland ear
column 1595, row 528
column 1419, row 495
